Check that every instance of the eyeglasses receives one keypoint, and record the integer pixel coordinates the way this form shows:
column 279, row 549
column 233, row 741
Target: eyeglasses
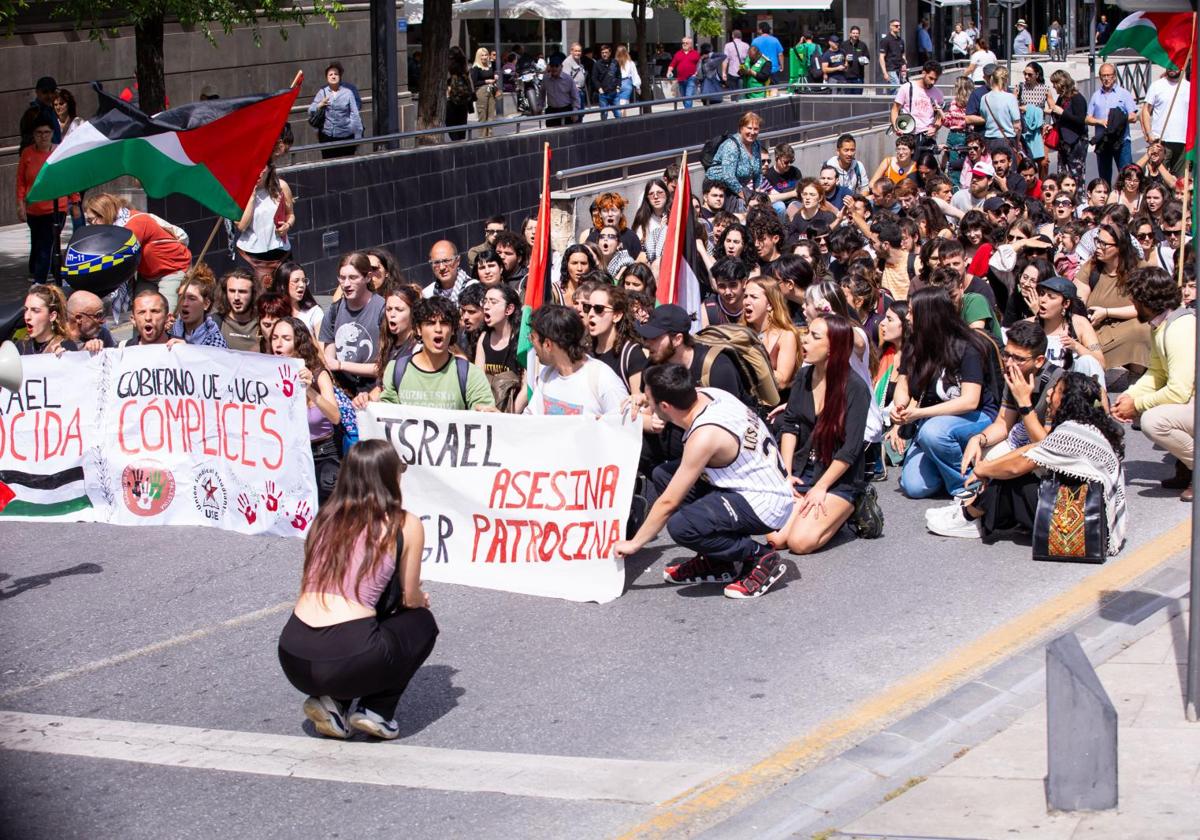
column 1101, row 243
column 1063, row 202
column 444, row 262
column 95, row 316
column 1004, row 354
column 608, row 236
column 493, row 231
column 594, row 308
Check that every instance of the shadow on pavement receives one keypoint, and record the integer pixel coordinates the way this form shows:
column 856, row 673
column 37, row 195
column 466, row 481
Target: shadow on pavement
column 20, row 585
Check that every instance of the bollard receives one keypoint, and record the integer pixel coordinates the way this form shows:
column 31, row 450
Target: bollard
column 1081, row 732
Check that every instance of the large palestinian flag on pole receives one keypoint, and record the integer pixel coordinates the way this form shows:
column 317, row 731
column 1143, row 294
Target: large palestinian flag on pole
column 213, row 151
column 681, row 267
column 1163, row 38
column 538, row 285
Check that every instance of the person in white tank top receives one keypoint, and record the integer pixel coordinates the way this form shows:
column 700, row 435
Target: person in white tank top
column 728, row 487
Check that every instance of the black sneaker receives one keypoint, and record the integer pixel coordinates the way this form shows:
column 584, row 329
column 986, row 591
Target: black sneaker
column 701, row 570
column 768, row 569
column 638, row 507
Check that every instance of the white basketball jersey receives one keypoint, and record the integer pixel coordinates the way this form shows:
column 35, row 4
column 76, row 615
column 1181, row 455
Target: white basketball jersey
column 757, row 473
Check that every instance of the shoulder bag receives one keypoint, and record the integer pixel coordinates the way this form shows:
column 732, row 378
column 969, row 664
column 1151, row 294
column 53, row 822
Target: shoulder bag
column 1070, row 525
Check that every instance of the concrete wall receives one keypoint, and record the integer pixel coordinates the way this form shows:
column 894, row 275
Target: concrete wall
column 407, row 200
column 234, row 66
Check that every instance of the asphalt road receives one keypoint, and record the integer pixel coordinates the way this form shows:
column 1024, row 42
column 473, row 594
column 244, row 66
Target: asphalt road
column 661, row 674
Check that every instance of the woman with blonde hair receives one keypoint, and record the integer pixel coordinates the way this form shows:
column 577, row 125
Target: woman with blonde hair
column 955, row 122
column 45, row 322
column 483, row 77
column 165, row 257
column 630, row 80
column 765, row 311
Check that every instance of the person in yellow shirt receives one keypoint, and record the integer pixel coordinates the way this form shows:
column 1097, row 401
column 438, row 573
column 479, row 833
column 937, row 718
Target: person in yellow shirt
column 1163, row 397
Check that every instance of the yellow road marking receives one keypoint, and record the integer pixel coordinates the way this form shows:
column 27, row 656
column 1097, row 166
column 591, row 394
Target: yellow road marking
column 696, row 808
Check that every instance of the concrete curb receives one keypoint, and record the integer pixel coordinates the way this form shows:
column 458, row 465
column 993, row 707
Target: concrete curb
column 849, row 785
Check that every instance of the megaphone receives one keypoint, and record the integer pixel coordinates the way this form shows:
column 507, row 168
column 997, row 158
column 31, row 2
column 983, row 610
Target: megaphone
column 10, row 367
column 905, row 124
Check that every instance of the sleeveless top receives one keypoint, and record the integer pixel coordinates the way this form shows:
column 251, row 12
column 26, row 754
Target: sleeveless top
column 757, row 473
column 372, row 586
column 498, row 361
column 260, row 237
column 896, row 175
column 319, row 427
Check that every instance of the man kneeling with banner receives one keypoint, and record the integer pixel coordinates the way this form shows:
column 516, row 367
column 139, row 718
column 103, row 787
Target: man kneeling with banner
column 744, row 491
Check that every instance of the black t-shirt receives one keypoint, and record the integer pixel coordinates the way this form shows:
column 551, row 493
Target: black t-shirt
column 498, row 361
column 836, row 59
column 635, row 361
column 724, row 373
column 716, row 312
column 783, row 181
column 800, row 225
column 970, row 370
column 892, row 49
column 627, row 238
column 29, row 347
column 854, row 67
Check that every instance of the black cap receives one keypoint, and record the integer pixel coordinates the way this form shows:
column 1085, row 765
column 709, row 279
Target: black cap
column 667, row 318
column 556, row 58
column 995, row 204
column 1060, row 285
column 46, row 84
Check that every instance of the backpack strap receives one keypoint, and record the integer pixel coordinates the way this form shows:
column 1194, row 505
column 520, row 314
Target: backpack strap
column 464, row 368
column 626, row 353
column 399, row 369
column 710, row 358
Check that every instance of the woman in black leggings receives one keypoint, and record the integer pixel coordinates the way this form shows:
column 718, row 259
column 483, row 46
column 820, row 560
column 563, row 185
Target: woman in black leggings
column 351, row 643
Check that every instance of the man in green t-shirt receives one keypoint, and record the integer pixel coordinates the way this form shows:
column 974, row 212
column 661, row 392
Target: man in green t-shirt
column 800, row 61
column 433, row 377
column 974, row 308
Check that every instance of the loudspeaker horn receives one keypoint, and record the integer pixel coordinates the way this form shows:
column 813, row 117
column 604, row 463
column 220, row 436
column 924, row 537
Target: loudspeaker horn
column 905, row 123
column 10, row 366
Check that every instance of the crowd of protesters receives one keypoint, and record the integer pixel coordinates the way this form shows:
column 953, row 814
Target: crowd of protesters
column 972, row 311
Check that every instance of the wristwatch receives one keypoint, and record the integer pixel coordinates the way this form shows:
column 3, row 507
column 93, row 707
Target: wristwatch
column 1024, row 409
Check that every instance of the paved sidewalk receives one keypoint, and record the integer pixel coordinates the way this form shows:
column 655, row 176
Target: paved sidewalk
column 996, row 789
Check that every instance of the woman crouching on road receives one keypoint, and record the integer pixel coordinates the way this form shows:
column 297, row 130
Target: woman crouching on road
column 350, row 644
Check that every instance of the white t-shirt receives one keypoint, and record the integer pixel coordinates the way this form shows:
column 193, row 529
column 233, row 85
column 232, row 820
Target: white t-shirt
column 593, row 389
column 1158, row 97
column 962, row 41
column 981, row 59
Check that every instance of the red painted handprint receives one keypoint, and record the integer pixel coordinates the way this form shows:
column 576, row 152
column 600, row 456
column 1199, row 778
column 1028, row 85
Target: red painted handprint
column 247, row 508
column 301, row 517
column 287, row 381
column 272, row 496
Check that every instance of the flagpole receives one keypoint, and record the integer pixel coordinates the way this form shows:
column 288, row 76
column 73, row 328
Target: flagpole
column 1192, row 679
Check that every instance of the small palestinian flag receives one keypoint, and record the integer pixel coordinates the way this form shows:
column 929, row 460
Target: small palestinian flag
column 538, row 285
column 34, row 494
column 1161, row 37
column 213, row 151
column 681, row 267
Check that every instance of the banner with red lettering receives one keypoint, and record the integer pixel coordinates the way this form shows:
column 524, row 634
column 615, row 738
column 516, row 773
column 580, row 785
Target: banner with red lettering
column 158, row 436
column 518, row 503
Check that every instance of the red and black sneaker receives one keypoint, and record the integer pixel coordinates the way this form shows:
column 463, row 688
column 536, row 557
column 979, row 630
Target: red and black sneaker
column 701, row 570
column 768, row 568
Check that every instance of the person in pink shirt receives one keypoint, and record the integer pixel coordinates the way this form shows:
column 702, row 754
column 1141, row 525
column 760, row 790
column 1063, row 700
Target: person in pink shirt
column 735, row 54
column 683, row 70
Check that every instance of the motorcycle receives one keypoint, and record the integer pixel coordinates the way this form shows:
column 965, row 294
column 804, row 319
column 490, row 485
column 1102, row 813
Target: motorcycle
column 529, row 88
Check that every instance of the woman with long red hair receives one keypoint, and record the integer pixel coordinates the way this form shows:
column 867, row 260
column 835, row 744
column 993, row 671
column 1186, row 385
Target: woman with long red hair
column 821, row 441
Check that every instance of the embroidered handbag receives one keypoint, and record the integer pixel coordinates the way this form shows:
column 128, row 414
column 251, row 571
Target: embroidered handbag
column 1070, row 525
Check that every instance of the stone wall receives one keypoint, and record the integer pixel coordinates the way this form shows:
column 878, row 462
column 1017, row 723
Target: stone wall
column 407, row 200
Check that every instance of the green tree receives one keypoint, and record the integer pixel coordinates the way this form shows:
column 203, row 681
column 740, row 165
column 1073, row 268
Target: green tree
column 101, row 18
column 708, row 19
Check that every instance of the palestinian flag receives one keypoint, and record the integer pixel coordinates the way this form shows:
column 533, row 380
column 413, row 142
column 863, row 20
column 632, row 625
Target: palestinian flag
column 1161, row 37
column 538, row 285
column 213, row 151
column 681, row 268
column 34, row 494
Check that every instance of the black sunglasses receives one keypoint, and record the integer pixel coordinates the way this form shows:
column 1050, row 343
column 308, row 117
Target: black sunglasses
column 595, row 308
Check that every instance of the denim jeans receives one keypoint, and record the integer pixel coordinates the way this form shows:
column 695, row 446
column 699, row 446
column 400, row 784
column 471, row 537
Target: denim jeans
column 933, row 462
column 624, row 95
column 687, row 87
column 1105, row 160
column 607, row 100
column 893, row 77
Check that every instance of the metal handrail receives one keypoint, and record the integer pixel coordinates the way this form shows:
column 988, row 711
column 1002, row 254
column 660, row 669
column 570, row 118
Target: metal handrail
column 624, row 164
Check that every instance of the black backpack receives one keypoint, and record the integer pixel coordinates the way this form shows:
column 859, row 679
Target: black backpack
column 709, row 153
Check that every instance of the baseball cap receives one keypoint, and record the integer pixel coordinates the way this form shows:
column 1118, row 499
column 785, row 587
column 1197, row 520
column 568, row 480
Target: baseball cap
column 983, row 169
column 668, row 318
column 989, row 69
column 1059, row 285
column 46, row 84
column 834, row 39
column 557, row 58
column 995, row 204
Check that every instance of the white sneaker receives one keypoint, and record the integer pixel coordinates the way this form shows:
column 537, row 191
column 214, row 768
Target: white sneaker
column 955, row 525
column 370, row 723
column 941, row 513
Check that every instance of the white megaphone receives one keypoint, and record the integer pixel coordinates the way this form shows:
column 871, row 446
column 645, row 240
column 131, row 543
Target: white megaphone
column 10, row 366
column 905, row 123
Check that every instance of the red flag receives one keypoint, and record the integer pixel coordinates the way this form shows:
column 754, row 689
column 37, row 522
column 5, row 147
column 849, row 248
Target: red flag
column 681, row 267
column 537, row 283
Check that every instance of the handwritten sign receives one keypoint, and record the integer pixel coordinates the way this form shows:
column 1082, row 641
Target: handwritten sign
column 521, row 504
column 147, row 435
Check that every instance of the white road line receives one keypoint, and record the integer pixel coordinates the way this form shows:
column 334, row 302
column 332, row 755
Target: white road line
column 517, row 774
column 117, row 659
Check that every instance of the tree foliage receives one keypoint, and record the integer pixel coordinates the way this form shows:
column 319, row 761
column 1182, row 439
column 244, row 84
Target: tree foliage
column 707, row 17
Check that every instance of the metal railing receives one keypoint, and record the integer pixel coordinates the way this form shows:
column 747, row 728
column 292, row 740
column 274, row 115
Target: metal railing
column 625, row 166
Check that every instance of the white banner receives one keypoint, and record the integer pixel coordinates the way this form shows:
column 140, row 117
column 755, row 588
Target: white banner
column 516, row 503
column 157, row 436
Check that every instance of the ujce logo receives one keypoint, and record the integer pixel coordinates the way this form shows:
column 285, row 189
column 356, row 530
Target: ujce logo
column 208, row 494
